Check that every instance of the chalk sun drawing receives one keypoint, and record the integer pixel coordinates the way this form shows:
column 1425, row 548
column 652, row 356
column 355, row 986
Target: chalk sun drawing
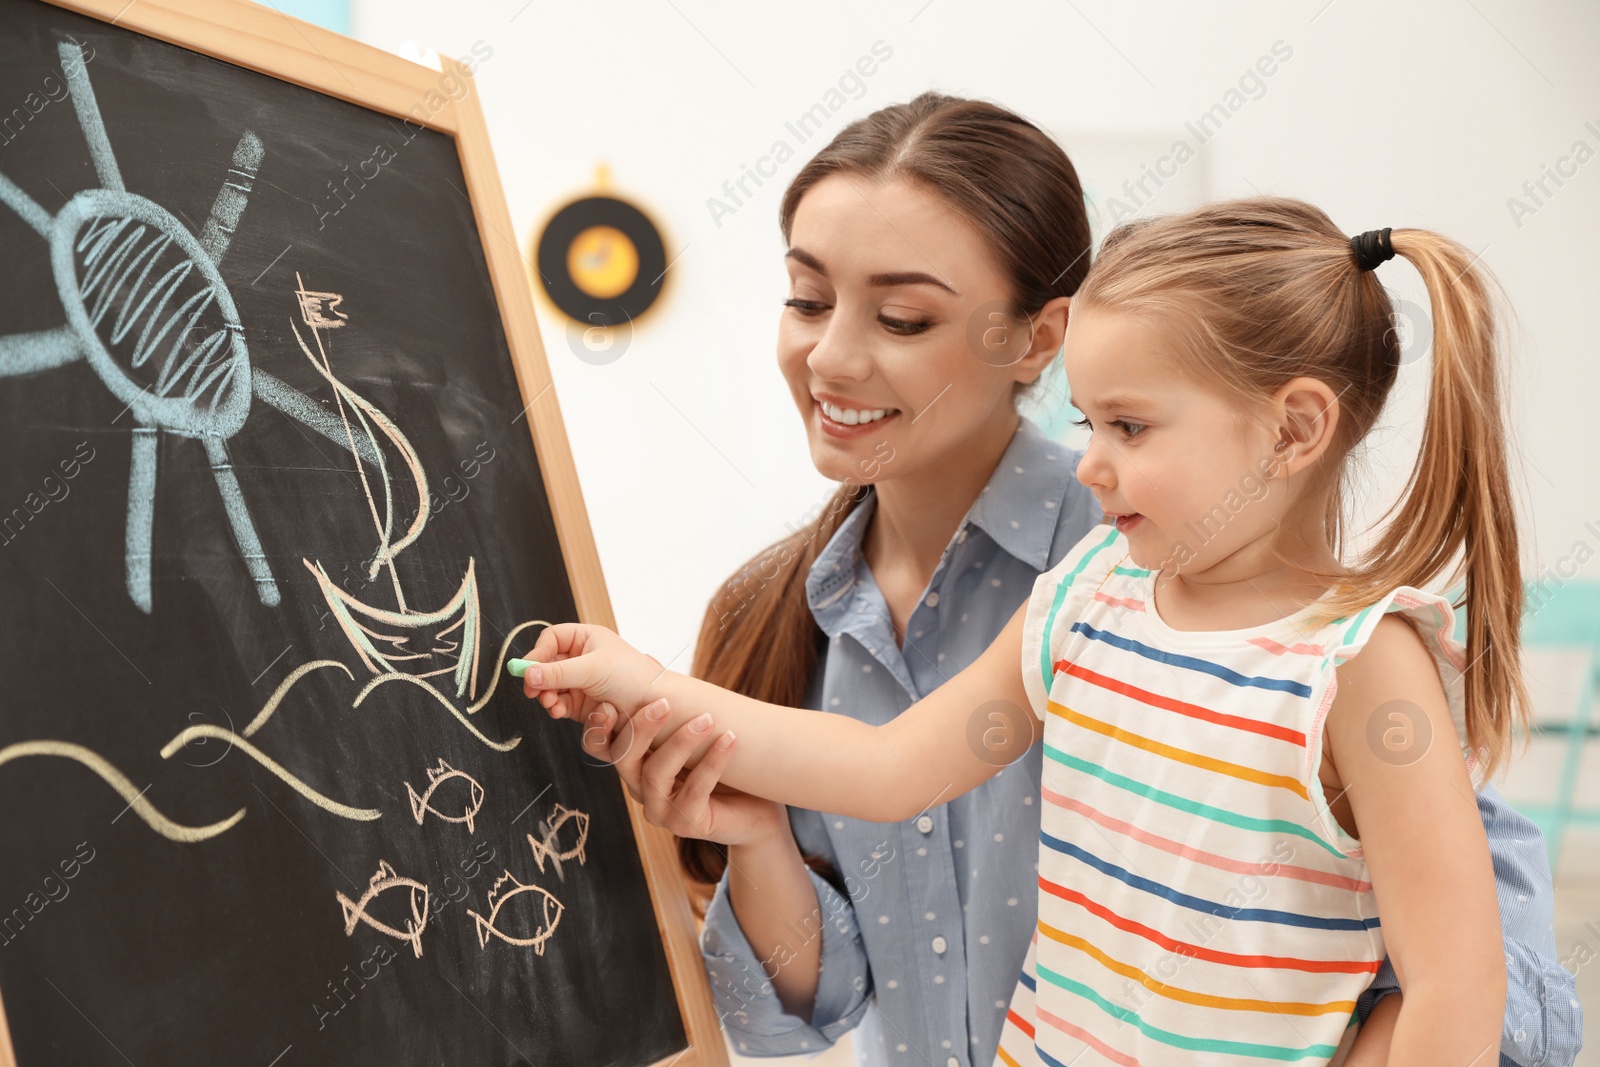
column 546, row 913
column 402, row 891
column 564, row 824
column 147, row 308
column 438, row 776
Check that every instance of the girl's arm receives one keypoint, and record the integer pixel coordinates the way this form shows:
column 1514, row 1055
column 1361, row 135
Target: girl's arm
column 1425, row 848
column 953, row 740
column 1372, row 1042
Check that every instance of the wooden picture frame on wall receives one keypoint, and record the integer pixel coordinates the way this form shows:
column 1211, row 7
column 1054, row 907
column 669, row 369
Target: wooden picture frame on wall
column 264, row 40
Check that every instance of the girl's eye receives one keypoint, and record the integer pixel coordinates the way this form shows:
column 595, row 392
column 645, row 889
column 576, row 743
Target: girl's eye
column 806, row 307
column 1127, row 429
column 905, row 327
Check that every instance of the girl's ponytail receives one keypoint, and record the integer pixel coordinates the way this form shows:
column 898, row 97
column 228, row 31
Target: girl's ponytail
column 1459, row 498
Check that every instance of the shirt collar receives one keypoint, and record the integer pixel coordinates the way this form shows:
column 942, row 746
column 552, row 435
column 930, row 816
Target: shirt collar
column 1018, row 508
column 833, row 574
column 1021, row 504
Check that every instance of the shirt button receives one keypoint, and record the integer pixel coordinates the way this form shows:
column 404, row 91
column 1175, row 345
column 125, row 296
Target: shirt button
column 925, row 824
column 952, row 1061
column 932, row 600
column 939, row 945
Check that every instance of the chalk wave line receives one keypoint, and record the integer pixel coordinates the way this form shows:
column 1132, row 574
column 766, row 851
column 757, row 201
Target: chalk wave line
column 283, row 689
column 167, row 828
column 325, row 803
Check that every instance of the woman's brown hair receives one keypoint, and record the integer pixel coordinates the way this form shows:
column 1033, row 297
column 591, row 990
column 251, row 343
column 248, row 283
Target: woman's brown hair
column 1263, row 290
column 1017, row 187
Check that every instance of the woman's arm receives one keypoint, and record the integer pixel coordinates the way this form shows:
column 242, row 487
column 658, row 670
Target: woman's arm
column 1425, row 848
column 768, row 884
column 811, row 759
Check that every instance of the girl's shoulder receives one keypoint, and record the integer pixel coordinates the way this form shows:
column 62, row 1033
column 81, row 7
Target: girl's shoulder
column 1059, row 597
column 1390, row 627
column 1431, row 615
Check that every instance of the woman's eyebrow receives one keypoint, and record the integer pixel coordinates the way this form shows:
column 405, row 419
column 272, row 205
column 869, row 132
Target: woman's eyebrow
column 802, row 256
column 903, row 277
column 909, row 277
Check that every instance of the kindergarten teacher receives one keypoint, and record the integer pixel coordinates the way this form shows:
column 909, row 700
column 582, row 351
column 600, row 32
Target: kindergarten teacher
column 933, row 248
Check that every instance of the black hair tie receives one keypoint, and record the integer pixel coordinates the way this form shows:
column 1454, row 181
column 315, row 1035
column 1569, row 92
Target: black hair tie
column 1372, row 248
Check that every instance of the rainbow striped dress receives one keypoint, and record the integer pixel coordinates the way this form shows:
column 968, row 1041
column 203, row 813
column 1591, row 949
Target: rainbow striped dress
column 1198, row 902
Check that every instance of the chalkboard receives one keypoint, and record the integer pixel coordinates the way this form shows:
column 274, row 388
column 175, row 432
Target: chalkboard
column 284, row 485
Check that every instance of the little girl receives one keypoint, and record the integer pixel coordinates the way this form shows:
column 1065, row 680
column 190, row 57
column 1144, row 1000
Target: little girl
column 1252, row 735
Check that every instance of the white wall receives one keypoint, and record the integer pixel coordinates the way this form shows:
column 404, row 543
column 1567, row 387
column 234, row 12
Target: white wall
column 1427, row 113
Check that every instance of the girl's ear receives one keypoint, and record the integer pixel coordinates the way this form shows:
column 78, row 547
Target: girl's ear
column 1049, row 330
column 1308, row 415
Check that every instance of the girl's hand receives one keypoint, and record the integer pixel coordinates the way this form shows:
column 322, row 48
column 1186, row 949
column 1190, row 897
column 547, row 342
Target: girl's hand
column 688, row 803
column 577, row 666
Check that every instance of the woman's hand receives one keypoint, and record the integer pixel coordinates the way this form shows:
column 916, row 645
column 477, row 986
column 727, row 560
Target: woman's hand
column 576, row 666
column 688, row 803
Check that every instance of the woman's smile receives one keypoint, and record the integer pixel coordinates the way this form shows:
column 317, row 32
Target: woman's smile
column 840, row 417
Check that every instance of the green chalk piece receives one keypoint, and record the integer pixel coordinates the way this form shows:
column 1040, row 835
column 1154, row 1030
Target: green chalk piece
column 518, row 667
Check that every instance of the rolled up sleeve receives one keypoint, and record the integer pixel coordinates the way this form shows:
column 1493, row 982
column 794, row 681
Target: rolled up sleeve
column 746, row 1000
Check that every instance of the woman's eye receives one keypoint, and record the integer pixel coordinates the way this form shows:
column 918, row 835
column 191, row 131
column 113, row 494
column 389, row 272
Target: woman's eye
column 904, row 327
column 806, row 307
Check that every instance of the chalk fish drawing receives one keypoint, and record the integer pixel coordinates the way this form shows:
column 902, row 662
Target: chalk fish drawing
column 563, row 824
column 147, row 308
column 546, row 913
column 172, row 831
column 385, row 880
column 383, row 637
column 438, row 776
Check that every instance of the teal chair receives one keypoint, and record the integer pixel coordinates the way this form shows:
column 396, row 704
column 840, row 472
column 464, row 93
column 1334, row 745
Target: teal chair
column 1562, row 616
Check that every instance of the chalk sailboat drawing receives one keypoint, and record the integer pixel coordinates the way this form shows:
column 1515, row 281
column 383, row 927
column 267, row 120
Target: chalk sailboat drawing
column 400, row 890
column 423, row 644
column 148, row 310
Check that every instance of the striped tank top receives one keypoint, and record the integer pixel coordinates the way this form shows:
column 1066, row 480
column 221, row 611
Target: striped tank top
column 1198, row 901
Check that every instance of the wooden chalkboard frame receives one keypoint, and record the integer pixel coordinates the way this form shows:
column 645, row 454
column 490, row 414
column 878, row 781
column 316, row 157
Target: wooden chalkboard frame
column 264, row 40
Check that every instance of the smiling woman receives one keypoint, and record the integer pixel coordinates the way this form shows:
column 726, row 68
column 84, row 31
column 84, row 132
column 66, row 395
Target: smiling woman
column 933, row 248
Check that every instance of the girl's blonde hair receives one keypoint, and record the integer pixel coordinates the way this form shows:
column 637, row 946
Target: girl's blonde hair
column 1263, row 290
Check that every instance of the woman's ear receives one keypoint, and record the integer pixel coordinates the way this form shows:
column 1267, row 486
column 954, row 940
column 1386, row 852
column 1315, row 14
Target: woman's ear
column 1049, row 328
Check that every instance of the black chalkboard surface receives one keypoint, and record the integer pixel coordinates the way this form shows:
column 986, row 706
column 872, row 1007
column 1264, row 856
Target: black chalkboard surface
column 270, row 518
